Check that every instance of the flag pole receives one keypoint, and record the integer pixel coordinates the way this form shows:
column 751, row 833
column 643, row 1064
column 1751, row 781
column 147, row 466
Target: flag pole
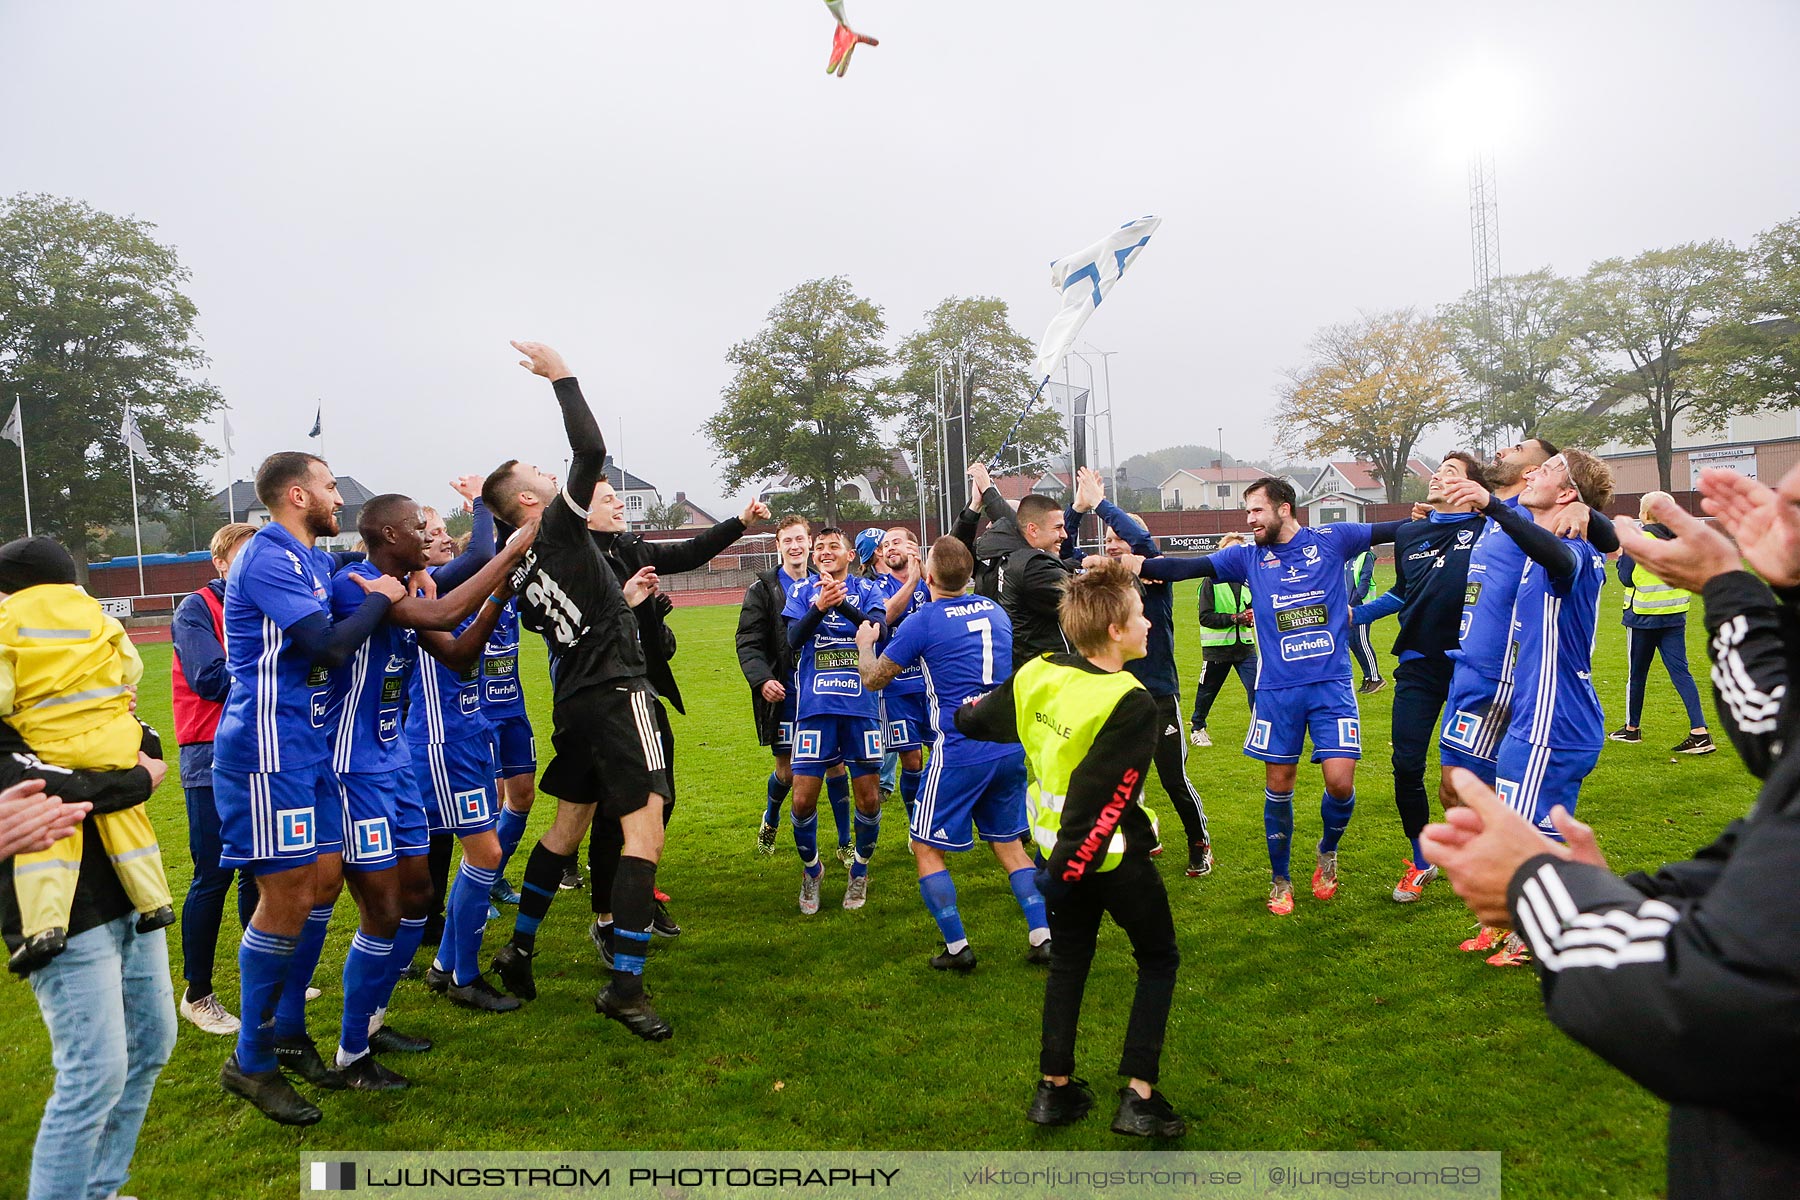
column 137, row 533
column 24, row 475
column 230, row 483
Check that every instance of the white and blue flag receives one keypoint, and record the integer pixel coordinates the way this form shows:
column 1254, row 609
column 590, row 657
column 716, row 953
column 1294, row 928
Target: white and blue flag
column 1084, row 278
column 132, row 436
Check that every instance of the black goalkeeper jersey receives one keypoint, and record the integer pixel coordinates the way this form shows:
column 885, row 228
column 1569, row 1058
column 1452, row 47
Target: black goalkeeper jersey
column 566, row 590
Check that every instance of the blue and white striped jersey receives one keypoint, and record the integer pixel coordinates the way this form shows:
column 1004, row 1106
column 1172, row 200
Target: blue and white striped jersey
column 1496, row 565
column 445, row 705
column 910, row 682
column 1554, row 703
column 502, row 692
column 963, row 648
column 277, row 710
column 1297, row 593
column 369, row 691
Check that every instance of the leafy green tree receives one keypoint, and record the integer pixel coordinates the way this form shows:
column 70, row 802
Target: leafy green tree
column 1526, row 347
column 1373, row 387
column 1643, row 319
column 672, row 515
column 804, row 403
column 981, row 352
column 1752, row 361
column 92, row 317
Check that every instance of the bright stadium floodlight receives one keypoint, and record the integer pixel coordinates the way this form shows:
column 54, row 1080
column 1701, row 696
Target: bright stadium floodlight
column 1480, row 106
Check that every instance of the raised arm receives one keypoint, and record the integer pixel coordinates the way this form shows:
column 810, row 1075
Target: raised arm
column 481, row 537
column 1170, row 569
column 445, row 613
column 461, row 651
column 1380, row 534
column 1540, row 544
column 587, row 448
column 672, row 558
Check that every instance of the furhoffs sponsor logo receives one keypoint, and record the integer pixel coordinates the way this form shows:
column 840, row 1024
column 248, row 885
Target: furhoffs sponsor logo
column 333, row 1177
column 1314, row 645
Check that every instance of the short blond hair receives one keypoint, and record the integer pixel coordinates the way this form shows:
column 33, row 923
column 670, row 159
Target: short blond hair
column 1591, row 477
column 1093, row 602
column 227, row 538
column 1648, row 500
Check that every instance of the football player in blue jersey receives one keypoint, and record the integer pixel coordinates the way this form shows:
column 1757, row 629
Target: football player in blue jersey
column 1478, row 709
column 1296, row 579
column 279, row 812
column 836, row 717
column 904, row 717
column 959, row 645
column 386, row 829
column 514, row 741
column 1557, row 728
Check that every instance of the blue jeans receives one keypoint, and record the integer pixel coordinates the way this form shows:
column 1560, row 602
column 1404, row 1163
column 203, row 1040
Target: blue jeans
column 204, row 908
column 107, row 1003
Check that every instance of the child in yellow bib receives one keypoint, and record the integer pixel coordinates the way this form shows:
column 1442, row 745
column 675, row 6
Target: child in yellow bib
column 67, row 671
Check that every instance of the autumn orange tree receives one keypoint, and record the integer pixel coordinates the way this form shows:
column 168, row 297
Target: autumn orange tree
column 1372, row 387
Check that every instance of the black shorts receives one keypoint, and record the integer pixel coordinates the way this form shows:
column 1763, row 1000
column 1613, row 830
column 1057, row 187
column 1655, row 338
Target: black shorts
column 613, row 748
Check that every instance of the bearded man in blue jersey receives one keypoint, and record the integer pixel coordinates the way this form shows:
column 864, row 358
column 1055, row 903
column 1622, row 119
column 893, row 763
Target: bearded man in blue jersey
column 960, row 646
column 1296, row 580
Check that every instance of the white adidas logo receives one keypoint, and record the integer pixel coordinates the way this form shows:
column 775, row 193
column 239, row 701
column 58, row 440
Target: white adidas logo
column 1171, row 731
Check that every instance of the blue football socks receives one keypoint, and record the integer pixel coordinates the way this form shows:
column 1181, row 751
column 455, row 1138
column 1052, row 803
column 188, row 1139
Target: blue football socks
column 366, row 970
column 1025, row 891
column 290, row 1012
column 939, row 894
column 868, row 831
column 837, row 790
column 263, row 961
column 1335, row 814
column 1278, row 828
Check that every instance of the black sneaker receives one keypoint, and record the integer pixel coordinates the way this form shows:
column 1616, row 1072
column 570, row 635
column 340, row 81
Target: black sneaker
column 661, row 923
column 1200, row 860
column 602, row 937
column 963, row 961
column 389, row 1040
column 411, row 970
column 437, row 979
column 1147, row 1118
column 1060, row 1104
column 513, row 966
column 1695, row 743
column 161, row 918
column 1625, row 734
column 273, row 1096
column 368, row 1075
column 1039, row 955
column 571, row 880
column 634, row 1014
column 37, row 951
column 298, row 1056
column 482, row 996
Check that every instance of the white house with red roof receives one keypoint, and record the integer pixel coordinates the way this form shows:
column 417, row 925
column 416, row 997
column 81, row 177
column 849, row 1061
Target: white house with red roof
column 1359, row 479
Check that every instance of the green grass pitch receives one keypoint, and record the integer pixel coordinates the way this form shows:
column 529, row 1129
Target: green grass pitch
column 1353, row 1024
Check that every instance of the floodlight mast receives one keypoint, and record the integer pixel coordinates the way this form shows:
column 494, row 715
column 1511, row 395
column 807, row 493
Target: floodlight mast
column 1484, row 252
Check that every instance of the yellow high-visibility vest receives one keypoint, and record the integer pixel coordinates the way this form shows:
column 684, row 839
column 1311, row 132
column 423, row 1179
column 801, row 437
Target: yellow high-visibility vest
column 1060, row 710
column 1229, row 599
column 1649, row 596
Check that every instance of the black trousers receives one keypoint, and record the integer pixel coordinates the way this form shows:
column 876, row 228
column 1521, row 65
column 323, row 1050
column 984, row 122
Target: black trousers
column 1421, row 685
column 1213, row 674
column 1171, row 768
column 1133, row 893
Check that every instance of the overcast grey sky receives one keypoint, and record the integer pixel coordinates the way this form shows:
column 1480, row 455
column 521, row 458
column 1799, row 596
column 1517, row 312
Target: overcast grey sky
column 373, row 197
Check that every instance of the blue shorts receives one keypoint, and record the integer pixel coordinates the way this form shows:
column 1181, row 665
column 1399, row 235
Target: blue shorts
column 383, row 819
column 515, row 746
column 1532, row 780
column 991, row 794
column 824, row 741
column 905, row 721
column 1285, row 716
column 456, row 785
column 1476, row 714
column 271, row 821
column 784, row 727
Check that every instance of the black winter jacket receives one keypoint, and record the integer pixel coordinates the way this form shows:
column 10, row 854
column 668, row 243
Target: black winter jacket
column 628, row 553
column 762, row 647
column 1025, row 580
column 1688, row 979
